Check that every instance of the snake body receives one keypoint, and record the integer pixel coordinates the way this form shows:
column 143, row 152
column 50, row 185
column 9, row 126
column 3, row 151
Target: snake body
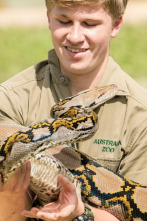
column 74, row 120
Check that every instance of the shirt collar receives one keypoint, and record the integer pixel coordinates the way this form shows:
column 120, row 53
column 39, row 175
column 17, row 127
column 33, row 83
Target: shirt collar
column 112, row 75
column 54, row 66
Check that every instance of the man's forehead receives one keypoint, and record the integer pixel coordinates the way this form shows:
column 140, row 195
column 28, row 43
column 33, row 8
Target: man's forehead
column 83, row 10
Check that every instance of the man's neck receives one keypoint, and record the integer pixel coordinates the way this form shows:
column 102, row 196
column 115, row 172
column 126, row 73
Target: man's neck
column 79, row 82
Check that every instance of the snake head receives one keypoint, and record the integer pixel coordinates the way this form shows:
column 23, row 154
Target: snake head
column 90, row 98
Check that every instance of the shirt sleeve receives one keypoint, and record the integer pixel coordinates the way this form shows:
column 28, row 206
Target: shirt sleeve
column 134, row 164
column 9, row 108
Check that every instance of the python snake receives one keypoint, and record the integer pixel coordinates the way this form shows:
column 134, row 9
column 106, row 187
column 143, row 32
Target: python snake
column 74, row 120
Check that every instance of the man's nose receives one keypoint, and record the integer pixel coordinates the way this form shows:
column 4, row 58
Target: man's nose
column 75, row 34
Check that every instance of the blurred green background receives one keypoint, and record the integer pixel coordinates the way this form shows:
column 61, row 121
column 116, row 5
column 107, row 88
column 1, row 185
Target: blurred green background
column 22, row 3
column 21, row 47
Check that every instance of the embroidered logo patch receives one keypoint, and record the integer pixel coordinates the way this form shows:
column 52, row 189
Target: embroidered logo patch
column 107, row 145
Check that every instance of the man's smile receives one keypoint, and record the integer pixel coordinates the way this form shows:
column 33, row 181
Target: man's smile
column 76, row 50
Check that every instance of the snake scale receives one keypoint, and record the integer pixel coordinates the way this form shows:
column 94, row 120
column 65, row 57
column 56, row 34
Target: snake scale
column 74, row 120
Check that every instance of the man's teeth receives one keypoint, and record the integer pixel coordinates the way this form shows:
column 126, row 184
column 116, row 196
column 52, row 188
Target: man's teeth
column 75, row 50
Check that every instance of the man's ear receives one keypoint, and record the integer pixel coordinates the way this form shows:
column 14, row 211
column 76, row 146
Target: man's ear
column 117, row 26
column 48, row 17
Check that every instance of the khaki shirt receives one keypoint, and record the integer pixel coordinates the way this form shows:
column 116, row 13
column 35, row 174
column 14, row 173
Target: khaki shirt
column 121, row 140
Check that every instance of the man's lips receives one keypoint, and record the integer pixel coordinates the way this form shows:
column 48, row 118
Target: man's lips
column 76, row 50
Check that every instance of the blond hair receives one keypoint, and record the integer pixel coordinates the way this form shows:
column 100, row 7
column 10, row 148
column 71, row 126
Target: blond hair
column 114, row 7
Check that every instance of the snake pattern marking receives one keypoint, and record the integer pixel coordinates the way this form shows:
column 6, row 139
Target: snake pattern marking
column 74, row 120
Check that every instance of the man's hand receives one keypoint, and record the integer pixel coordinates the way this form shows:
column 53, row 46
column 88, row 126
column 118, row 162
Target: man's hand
column 18, row 182
column 14, row 195
column 67, row 207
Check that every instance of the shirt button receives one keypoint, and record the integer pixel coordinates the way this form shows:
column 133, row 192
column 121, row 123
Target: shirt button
column 62, row 79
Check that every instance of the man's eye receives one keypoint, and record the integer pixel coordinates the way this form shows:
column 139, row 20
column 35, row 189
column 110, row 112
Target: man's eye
column 90, row 24
column 64, row 22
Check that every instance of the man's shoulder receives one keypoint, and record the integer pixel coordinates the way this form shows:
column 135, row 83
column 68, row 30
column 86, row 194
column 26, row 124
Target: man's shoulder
column 137, row 92
column 32, row 74
column 134, row 92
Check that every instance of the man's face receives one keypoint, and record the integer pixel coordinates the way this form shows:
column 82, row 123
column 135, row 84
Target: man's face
column 81, row 37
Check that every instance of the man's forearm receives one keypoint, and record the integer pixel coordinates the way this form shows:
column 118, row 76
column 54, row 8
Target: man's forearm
column 102, row 215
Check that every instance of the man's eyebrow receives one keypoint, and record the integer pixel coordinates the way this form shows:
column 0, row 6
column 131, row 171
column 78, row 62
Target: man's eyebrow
column 93, row 19
column 61, row 15
column 84, row 18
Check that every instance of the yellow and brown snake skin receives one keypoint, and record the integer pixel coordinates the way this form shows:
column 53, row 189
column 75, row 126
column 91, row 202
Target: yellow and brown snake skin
column 74, row 120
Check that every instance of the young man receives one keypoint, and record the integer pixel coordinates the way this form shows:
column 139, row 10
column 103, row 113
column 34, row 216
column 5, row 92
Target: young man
column 81, row 33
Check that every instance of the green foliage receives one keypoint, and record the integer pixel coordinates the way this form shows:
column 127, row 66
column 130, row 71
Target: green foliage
column 129, row 49
column 23, row 47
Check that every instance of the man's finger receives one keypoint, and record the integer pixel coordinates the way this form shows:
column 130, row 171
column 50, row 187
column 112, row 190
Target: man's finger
column 66, row 184
column 22, row 176
column 26, row 178
column 32, row 213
